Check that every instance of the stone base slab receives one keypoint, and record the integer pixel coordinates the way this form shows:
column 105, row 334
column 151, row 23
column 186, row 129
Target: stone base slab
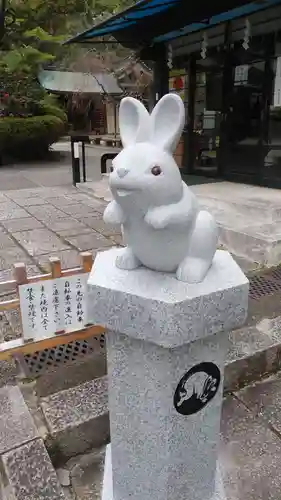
column 158, row 308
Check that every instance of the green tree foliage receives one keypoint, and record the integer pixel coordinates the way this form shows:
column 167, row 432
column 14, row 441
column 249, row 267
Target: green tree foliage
column 34, row 31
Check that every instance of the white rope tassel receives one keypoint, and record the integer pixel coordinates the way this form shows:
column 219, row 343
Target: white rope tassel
column 247, row 35
column 204, row 46
column 170, row 57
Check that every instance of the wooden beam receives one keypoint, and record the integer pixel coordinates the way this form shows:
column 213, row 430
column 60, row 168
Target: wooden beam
column 15, row 347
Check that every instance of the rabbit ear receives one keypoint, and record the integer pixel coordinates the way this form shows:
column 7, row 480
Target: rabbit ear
column 134, row 121
column 167, row 122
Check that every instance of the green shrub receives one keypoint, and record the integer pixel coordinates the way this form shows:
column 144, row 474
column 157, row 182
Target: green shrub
column 50, row 109
column 30, row 137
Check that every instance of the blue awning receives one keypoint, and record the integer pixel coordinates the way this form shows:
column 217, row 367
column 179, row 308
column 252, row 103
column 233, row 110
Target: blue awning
column 150, row 22
column 245, row 10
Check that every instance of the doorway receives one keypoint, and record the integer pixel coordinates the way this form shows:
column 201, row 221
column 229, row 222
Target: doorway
column 207, row 117
column 242, row 146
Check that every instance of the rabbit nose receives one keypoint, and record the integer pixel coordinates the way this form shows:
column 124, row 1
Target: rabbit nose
column 122, row 172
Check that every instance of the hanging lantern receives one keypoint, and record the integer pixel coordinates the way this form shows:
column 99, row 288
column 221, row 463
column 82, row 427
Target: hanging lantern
column 170, row 57
column 247, row 35
column 204, row 46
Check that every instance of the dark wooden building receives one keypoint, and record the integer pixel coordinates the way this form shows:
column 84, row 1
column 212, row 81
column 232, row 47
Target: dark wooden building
column 227, row 58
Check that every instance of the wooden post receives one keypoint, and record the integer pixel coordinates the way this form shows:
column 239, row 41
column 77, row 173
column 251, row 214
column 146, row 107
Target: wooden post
column 20, row 275
column 55, row 265
column 160, row 73
column 87, row 261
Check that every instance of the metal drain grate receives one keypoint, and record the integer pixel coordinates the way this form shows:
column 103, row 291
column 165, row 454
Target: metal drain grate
column 275, row 274
column 42, row 361
column 262, row 286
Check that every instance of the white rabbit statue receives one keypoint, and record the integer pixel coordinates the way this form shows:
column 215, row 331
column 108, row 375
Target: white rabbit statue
column 162, row 224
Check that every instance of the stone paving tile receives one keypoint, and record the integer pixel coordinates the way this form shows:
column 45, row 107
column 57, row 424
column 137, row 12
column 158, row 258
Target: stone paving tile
column 24, row 193
column 57, row 191
column 40, row 241
column 75, row 232
column 6, row 332
column 117, row 239
column 244, row 344
column 6, row 241
column 59, row 201
column 30, row 474
column 3, row 198
column 63, row 224
column 9, row 372
column 271, row 327
column 103, row 228
column 97, row 205
column 78, row 197
column 13, row 317
column 10, row 210
column 16, row 225
column 92, row 219
column 15, row 180
column 9, row 256
column 17, row 426
column 250, row 455
column 86, row 472
column 68, row 258
column 28, row 202
column 68, row 227
column 46, row 212
column 92, row 241
column 264, row 400
column 78, row 209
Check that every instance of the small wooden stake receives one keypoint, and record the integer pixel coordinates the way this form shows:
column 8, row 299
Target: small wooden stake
column 20, row 275
column 55, row 264
column 87, row 261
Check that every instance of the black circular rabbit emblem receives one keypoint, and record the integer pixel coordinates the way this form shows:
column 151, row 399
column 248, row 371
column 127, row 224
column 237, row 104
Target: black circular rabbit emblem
column 196, row 388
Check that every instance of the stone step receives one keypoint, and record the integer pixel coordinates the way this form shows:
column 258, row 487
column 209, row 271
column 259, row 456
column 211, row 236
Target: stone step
column 243, row 211
column 250, row 229
column 26, row 471
column 98, row 189
column 77, row 418
column 254, row 352
column 261, row 244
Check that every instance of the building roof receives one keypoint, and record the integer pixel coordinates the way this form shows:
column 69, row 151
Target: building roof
column 150, row 22
column 82, row 83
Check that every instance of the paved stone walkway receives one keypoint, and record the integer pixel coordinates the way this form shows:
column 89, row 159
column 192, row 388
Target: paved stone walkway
column 43, row 222
column 56, row 171
column 38, row 223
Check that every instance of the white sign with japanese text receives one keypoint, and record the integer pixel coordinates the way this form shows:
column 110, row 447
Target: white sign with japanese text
column 53, row 306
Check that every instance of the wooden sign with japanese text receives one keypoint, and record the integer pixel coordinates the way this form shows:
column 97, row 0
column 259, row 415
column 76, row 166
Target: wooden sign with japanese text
column 53, row 306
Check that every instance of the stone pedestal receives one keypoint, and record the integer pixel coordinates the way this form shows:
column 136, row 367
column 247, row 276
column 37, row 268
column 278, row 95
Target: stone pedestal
column 166, row 348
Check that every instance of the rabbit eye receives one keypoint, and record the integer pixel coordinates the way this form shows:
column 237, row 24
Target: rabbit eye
column 156, row 170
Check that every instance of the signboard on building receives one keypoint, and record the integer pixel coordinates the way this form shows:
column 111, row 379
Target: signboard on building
column 178, row 82
column 241, row 74
column 52, row 306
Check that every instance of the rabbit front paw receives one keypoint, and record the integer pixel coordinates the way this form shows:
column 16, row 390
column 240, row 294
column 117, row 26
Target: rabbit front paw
column 113, row 214
column 127, row 260
column 157, row 218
